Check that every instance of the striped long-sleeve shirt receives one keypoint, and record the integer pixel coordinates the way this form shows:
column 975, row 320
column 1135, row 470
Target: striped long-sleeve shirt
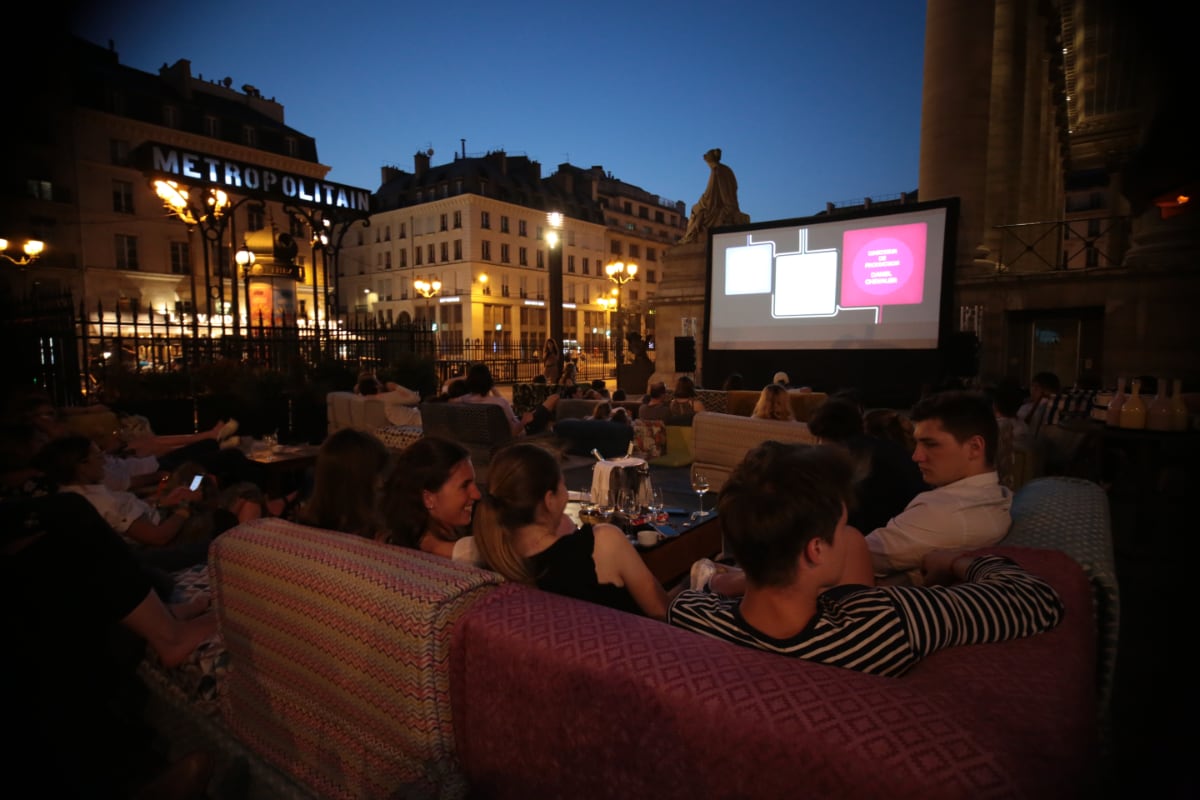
column 887, row 630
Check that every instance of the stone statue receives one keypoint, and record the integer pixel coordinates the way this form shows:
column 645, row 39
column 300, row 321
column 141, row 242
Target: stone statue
column 718, row 205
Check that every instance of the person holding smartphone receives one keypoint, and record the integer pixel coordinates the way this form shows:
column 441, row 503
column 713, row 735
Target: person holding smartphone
column 75, row 464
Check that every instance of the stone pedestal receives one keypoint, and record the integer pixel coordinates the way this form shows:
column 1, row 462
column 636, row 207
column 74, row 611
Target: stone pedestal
column 680, row 296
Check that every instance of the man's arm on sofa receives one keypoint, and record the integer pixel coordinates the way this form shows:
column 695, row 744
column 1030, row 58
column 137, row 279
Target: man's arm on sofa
column 997, row 601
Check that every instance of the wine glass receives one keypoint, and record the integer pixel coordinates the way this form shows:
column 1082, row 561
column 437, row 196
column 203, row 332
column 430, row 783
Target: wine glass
column 627, row 504
column 656, row 504
column 699, row 486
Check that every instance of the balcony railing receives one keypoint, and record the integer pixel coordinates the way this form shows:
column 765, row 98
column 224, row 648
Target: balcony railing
column 1058, row 245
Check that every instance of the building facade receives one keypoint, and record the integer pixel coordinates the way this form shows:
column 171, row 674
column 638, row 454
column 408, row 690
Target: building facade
column 476, row 228
column 1060, row 126
column 83, row 178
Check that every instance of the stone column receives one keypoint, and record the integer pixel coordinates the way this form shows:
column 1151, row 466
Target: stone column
column 955, row 111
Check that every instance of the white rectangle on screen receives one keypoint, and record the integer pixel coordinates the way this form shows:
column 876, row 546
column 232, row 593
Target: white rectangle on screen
column 748, row 269
column 806, row 284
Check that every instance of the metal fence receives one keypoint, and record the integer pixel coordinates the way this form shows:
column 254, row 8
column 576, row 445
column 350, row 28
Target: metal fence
column 1071, row 244
column 73, row 352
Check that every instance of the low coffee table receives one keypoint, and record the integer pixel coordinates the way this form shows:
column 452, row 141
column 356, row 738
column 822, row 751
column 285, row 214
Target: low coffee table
column 672, row 558
column 282, row 467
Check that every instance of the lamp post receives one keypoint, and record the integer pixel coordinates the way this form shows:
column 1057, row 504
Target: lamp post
column 427, row 289
column 212, row 221
column 245, row 259
column 175, row 199
column 555, row 245
column 620, row 273
column 329, row 229
column 31, row 250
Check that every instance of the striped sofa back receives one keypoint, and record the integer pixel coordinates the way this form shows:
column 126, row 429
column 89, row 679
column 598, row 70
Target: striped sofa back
column 338, row 652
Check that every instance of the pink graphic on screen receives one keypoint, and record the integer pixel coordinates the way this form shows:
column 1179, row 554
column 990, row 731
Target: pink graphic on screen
column 884, row 266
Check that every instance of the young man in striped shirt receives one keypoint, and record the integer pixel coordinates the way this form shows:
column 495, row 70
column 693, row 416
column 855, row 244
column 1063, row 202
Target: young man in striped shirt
column 809, row 585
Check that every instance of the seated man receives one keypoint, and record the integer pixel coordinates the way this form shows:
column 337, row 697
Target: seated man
column 784, row 516
column 399, row 402
column 481, row 388
column 655, row 405
column 956, row 437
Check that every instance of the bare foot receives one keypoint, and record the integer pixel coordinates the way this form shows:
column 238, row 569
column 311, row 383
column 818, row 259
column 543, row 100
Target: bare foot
column 187, row 637
column 192, row 608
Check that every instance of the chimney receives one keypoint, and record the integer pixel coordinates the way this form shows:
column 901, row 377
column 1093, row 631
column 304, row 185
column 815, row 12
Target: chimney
column 420, row 163
column 387, row 174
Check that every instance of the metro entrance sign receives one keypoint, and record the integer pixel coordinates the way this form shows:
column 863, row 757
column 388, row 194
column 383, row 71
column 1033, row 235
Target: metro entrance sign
column 160, row 160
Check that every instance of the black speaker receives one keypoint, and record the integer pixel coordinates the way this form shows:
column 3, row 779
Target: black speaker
column 685, row 354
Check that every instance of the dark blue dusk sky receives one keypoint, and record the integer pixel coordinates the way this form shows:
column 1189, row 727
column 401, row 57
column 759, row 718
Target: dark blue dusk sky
column 810, row 102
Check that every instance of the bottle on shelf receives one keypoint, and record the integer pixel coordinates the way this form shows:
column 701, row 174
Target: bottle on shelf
column 1133, row 410
column 1158, row 412
column 1113, row 417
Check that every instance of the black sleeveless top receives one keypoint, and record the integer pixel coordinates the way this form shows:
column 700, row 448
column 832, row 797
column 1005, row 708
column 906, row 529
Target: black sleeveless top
column 566, row 567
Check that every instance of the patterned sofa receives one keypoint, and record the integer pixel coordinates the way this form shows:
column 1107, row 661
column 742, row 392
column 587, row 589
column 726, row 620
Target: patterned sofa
column 369, row 413
column 349, row 668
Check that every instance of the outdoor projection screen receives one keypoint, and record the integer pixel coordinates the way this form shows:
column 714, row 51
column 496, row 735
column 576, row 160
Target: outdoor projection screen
column 868, row 281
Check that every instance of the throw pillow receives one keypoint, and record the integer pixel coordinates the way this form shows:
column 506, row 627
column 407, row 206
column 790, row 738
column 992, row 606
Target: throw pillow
column 649, row 438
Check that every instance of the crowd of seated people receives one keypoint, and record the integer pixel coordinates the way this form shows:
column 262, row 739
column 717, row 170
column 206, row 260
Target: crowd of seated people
column 843, row 526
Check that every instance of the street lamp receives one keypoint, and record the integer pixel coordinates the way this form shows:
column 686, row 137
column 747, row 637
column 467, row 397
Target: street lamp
column 245, row 259
column 427, row 289
column 175, row 200
column 212, row 221
column 620, row 273
column 32, row 249
column 553, row 242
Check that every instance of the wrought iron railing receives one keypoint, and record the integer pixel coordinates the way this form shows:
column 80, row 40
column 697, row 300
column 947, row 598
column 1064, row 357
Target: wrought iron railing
column 71, row 351
column 1068, row 244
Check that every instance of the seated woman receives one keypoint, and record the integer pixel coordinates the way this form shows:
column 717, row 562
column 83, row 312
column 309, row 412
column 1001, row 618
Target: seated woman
column 481, row 388
column 349, row 473
column 684, row 403
column 522, row 533
column 774, row 403
column 430, row 497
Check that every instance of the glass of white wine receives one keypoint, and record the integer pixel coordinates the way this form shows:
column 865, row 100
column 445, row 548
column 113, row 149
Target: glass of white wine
column 699, row 486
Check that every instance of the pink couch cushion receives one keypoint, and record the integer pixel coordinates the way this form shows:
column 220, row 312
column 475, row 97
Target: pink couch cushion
column 551, row 696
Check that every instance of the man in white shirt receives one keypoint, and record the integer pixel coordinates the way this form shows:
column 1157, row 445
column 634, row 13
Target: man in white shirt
column 956, row 436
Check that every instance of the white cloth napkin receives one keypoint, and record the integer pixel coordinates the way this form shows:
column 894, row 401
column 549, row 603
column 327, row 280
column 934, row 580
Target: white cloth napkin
column 602, row 479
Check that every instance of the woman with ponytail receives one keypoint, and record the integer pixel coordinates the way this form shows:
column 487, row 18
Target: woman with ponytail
column 522, row 533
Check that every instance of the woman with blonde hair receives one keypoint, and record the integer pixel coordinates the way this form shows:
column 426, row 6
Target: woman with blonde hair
column 774, row 403
column 522, row 533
